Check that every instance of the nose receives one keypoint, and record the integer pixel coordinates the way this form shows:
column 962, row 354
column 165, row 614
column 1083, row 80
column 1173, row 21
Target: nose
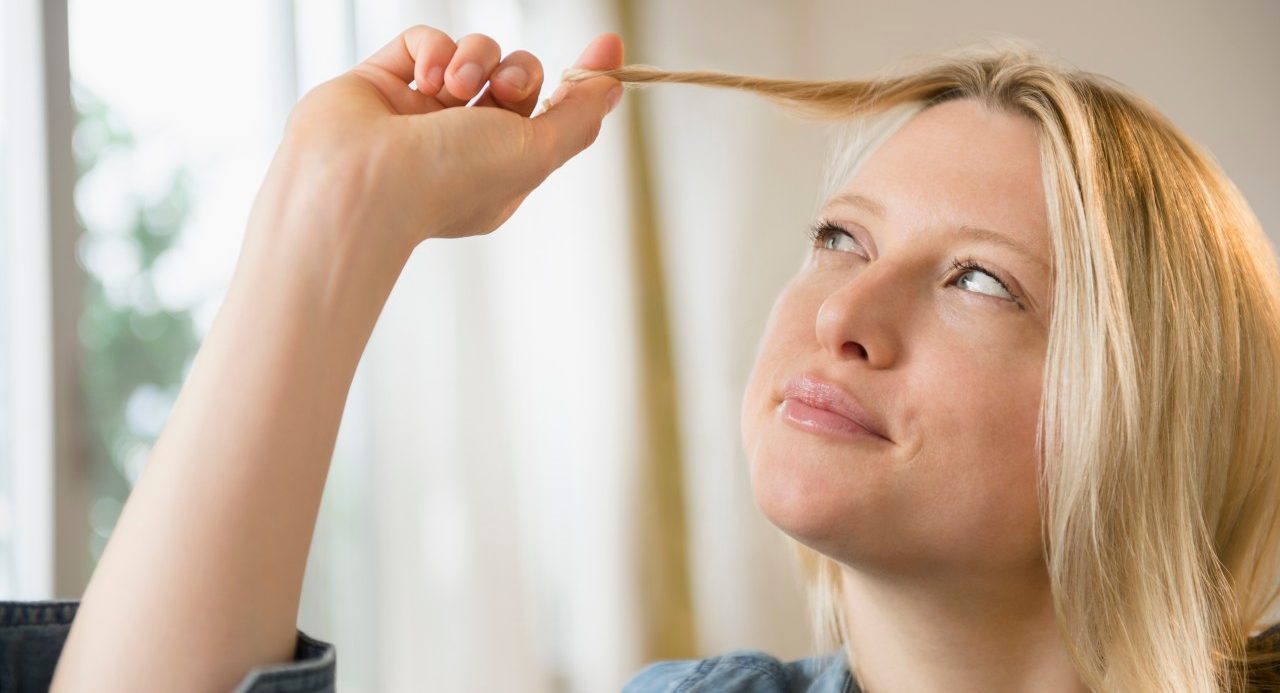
column 861, row 318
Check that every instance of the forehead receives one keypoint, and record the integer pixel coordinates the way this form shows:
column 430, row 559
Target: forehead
column 960, row 163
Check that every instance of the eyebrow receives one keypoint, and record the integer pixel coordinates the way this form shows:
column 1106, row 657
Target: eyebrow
column 862, row 201
column 877, row 210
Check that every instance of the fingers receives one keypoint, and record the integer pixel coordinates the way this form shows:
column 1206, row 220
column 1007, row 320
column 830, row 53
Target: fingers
column 476, row 57
column 515, row 84
column 452, row 73
column 418, row 54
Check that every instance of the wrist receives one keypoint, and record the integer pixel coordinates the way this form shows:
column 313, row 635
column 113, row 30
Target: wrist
column 314, row 270
column 309, row 199
column 310, row 215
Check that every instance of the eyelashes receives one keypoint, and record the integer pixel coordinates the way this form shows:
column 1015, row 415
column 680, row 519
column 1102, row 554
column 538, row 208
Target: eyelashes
column 822, row 230
column 966, row 265
column 825, row 230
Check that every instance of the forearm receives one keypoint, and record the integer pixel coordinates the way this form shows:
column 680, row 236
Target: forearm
column 202, row 576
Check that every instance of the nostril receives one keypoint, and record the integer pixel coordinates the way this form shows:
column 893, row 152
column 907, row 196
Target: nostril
column 855, row 349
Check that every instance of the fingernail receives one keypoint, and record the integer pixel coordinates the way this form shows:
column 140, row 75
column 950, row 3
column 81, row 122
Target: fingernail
column 583, row 53
column 615, row 95
column 515, row 76
column 435, row 79
column 469, row 76
column 559, row 93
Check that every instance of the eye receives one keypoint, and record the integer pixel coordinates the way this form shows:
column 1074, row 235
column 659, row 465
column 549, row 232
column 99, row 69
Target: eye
column 825, row 235
column 984, row 279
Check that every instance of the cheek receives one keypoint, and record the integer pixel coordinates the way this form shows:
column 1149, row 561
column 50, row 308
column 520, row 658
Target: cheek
column 788, row 336
column 816, row 490
column 960, row 488
column 977, row 466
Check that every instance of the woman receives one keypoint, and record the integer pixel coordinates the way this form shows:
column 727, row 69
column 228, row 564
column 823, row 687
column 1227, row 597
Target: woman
column 1018, row 409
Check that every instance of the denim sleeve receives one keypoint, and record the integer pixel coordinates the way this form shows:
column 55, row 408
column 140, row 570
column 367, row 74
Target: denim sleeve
column 746, row 671
column 740, row 671
column 32, row 635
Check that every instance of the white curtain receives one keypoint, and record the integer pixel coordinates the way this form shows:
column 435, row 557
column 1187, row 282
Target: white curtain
column 470, row 534
column 478, row 530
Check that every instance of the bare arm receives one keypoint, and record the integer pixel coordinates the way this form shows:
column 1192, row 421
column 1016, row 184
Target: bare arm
column 201, row 579
column 209, row 552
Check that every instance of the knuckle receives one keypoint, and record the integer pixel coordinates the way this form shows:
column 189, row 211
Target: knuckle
column 432, row 44
column 428, row 34
column 527, row 144
column 523, row 56
column 481, row 43
column 533, row 149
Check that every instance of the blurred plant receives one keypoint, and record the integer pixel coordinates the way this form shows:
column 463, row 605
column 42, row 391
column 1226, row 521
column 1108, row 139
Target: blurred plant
column 134, row 351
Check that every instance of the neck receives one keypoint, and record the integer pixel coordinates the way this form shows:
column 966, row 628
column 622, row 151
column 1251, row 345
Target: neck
column 916, row 634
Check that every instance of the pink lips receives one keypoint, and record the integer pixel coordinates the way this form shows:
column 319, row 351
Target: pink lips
column 820, row 406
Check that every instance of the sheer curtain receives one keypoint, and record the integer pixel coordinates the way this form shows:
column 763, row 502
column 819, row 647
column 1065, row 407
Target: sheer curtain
column 539, row 485
column 482, row 527
column 499, row 385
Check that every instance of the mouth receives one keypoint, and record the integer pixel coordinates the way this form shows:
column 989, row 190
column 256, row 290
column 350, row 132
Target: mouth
column 817, row 406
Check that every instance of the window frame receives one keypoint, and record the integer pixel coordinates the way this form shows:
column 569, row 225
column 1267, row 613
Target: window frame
column 48, row 470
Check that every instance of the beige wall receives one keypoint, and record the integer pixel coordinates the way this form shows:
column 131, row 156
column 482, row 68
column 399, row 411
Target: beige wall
column 1212, row 67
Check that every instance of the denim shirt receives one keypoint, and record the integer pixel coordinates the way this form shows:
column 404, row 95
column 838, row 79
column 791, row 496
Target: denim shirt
column 32, row 635
column 746, row 671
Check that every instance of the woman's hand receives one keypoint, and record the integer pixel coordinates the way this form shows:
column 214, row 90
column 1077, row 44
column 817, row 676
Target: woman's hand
column 366, row 155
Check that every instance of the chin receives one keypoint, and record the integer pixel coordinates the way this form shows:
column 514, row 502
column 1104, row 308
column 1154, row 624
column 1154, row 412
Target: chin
column 807, row 486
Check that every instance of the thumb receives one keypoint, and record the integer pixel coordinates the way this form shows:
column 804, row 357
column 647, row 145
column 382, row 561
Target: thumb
column 571, row 124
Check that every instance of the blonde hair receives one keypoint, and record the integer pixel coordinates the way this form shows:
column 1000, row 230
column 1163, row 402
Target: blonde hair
column 1160, row 420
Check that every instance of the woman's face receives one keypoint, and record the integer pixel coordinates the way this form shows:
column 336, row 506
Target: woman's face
column 945, row 360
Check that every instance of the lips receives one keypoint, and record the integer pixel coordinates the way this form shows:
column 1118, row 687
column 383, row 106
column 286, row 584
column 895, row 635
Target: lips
column 820, row 394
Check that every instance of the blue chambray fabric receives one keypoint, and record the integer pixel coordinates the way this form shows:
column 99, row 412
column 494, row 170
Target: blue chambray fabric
column 753, row 671
column 32, row 635
column 745, row 671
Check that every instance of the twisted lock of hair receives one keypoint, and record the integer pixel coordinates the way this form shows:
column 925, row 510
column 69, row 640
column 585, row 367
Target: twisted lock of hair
column 817, row 98
column 823, row 99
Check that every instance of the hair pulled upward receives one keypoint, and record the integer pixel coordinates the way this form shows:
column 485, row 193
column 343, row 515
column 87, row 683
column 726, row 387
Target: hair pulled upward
column 829, row 99
column 839, row 99
column 1160, row 420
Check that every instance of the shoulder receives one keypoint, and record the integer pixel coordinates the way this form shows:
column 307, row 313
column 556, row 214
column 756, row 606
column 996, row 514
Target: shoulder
column 745, row 671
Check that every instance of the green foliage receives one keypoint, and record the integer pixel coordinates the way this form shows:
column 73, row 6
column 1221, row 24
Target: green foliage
column 131, row 349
